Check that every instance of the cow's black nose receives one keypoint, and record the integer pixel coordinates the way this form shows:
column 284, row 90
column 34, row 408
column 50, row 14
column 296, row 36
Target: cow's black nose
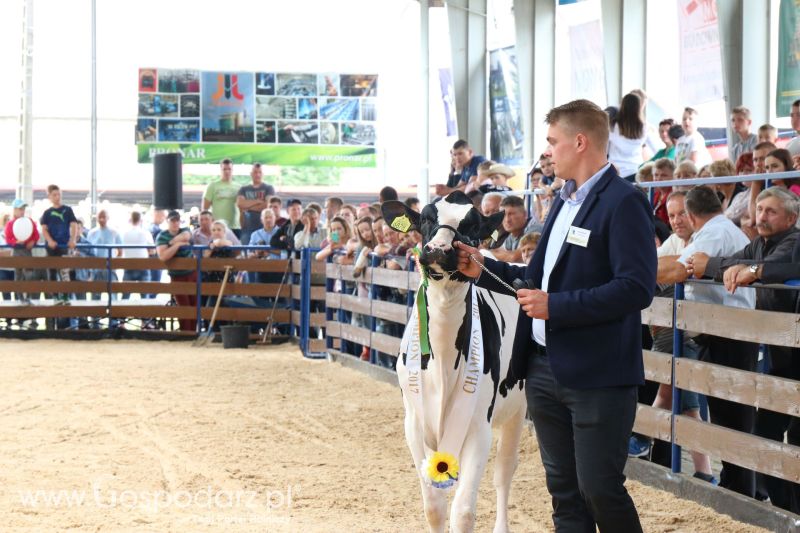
column 434, row 254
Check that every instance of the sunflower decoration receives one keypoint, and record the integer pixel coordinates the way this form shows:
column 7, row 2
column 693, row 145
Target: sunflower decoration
column 442, row 470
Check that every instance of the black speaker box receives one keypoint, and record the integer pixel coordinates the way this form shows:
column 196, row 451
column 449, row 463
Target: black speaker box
column 168, row 181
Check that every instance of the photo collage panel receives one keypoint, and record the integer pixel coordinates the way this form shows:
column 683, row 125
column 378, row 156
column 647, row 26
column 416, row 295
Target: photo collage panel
column 181, row 105
column 169, row 105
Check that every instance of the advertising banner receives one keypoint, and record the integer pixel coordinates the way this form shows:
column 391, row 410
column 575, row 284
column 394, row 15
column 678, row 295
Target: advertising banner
column 788, row 89
column 588, row 64
column 700, row 55
column 268, row 154
column 505, row 113
column 306, row 119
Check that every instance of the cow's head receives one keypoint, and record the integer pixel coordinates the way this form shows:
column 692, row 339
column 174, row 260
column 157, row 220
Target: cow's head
column 450, row 219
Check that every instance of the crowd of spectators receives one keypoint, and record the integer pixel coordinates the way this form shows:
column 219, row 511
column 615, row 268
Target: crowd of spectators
column 737, row 233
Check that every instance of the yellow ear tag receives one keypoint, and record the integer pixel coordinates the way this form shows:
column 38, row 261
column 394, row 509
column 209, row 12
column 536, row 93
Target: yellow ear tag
column 495, row 235
column 401, row 223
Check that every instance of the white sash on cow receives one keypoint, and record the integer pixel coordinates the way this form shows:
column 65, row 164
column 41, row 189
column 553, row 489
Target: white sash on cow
column 441, row 465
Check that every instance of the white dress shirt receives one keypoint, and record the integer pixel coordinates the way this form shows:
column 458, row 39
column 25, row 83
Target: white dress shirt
column 558, row 234
column 719, row 237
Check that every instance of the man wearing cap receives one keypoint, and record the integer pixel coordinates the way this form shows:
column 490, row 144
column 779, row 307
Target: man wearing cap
column 284, row 237
column 220, row 197
column 174, row 242
column 251, row 200
column 21, row 249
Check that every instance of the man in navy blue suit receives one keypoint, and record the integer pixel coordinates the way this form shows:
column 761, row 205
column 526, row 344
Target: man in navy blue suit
column 578, row 346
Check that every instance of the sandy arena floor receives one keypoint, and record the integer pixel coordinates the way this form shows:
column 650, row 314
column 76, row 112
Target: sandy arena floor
column 138, row 436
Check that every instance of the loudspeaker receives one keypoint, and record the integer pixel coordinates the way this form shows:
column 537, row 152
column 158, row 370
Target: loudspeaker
column 168, row 181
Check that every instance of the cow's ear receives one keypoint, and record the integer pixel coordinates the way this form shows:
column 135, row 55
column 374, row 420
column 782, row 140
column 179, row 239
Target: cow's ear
column 399, row 216
column 490, row 224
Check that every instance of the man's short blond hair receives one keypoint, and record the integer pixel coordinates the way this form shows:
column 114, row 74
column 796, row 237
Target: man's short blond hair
column 742, row 111
column 582, row 116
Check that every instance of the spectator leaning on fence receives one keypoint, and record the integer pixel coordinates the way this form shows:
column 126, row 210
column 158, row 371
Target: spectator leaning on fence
column 339, row 233
column 175, row 241
column 668, row 252
column 21, row 249
column 60, row 231
column 312, row 234
column 136, row 235
column 776, row 214
column 780, row 160
column 726, row 191
column 284, row 237
column 715, row 235
column 203, row 234
column 263, row 236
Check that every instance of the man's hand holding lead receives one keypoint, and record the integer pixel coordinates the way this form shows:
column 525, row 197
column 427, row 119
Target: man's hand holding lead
column 534, row 303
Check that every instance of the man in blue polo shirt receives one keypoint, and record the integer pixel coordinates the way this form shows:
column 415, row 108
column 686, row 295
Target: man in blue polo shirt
column 465, row 165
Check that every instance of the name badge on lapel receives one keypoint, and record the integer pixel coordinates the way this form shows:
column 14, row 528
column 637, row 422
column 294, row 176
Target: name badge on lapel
column 578, row 236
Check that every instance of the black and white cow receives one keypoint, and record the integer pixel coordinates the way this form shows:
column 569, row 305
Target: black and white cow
column 444, row 376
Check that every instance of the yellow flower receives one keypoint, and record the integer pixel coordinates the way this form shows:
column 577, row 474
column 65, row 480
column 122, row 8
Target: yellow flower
column 442, row 469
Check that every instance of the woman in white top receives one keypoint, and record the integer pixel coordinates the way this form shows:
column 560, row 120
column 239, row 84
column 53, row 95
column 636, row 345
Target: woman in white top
column 628, row 135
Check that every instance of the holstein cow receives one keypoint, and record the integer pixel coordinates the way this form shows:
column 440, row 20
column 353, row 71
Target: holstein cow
column 454, row 353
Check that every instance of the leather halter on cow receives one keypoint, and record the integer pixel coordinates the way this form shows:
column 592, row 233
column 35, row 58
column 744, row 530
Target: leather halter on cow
column 455, row 349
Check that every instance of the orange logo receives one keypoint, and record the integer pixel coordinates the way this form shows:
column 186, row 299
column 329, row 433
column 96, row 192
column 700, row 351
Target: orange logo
column 227, row 88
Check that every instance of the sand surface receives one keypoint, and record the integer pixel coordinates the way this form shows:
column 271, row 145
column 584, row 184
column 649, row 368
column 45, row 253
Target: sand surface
column 157, row 436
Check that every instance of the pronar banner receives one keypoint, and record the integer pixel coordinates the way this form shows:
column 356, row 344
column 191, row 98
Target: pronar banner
column 323, row 119
column 275, row 154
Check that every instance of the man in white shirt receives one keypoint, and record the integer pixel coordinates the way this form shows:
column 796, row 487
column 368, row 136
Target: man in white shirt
column 716, row 235
column 670, row 268
column 692, row 145
column 137, row 235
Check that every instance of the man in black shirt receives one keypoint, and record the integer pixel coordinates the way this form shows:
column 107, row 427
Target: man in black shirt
column 284, row 237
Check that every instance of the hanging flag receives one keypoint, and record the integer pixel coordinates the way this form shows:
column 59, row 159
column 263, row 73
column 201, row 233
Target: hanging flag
column 788, row 88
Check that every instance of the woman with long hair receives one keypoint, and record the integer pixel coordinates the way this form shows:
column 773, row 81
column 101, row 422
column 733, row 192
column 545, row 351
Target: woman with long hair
column 780, row 160
column 628, row 137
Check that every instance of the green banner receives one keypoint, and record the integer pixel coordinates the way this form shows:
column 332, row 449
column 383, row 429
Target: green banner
column 289, row 155
column 788, row 89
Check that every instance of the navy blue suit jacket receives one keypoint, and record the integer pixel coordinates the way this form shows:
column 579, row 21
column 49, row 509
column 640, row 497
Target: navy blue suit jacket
column 595, row 294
